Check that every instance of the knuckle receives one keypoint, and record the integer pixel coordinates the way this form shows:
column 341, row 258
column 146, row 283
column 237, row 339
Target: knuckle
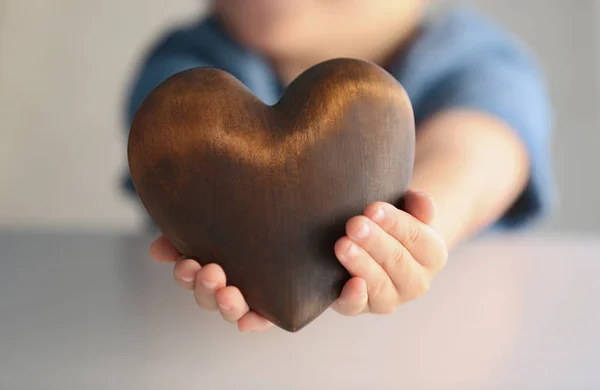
column 375, row 290
column 392, row 224
column 380, row 300
column 413, row 233
column 398, row 256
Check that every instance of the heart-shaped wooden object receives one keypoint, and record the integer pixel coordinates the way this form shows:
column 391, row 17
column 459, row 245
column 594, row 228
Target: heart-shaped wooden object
column 265, row 191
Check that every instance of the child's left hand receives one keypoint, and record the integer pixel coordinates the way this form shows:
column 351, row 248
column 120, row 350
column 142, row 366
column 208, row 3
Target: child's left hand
column 391, row 254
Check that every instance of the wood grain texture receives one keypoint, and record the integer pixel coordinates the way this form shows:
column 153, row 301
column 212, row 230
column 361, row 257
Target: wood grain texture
column 265, row 191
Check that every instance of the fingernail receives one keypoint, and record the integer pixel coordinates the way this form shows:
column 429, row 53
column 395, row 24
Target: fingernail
column 187, row 279
column 224, row 307
column 363, row 231
column 378, row 215
column 350, row 252
column 209, row 285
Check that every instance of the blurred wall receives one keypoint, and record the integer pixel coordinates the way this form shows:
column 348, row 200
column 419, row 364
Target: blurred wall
column 64, row 69
column 65, row 64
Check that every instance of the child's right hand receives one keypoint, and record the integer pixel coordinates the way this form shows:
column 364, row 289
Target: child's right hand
column 209, row 286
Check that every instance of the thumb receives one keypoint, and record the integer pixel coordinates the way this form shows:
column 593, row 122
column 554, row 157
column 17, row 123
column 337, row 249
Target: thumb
column 420, row 205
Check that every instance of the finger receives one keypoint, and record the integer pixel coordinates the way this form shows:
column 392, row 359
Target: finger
column 353, row 300
column 162, row 251
column 386, row 251
column 253, row 322
column 421, row 206
column 231, row 303
column 381, row 292
column 422, row 242
column 185, row 272
column 210, row 278
column 407, row 277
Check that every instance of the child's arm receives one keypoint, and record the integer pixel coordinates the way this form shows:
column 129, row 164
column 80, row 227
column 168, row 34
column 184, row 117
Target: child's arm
column 484, row 152
column 473, row 165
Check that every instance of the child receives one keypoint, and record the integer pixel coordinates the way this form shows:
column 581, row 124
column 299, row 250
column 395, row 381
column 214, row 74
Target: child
column 483, row 130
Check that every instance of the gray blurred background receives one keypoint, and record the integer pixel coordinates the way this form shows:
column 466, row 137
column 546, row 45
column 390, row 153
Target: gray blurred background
column 65, row 66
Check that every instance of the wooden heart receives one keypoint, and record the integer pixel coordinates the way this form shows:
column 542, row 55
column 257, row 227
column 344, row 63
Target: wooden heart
column 265, row 191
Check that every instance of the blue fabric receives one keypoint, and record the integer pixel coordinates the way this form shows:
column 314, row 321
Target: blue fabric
column 460, row 60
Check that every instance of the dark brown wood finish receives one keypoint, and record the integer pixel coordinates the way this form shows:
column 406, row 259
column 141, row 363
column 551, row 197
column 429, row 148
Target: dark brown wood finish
column 265, row 191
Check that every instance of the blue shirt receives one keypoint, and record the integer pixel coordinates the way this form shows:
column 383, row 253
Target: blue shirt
column 459, row 60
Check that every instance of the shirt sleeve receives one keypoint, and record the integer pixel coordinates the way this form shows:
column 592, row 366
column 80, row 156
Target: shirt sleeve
column 504, row 80
column 173, row 54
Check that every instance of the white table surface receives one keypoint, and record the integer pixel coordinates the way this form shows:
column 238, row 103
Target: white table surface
column 91, row 311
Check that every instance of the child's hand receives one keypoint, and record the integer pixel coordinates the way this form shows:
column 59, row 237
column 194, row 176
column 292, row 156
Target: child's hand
column 392, row 264
column 392, row 255
column 209, row 286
